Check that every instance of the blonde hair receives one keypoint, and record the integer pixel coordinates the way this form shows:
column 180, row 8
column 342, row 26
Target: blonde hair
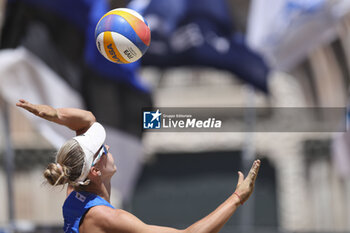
column 68, row 166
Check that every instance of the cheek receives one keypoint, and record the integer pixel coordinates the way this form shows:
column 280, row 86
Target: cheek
column 110, row 159
column 104, row 161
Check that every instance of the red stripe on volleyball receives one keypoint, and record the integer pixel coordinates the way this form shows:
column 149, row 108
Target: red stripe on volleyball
column 140, row 28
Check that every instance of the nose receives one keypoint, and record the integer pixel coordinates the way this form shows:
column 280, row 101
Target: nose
column 107, row 147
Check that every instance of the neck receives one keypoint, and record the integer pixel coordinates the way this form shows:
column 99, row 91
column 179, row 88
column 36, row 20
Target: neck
column 102, row 189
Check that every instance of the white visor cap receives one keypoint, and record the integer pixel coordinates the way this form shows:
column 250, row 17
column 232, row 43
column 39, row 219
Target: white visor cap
column 91, row 142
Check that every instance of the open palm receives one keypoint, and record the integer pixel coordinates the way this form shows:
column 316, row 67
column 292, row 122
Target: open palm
column 245, row 186
column 44, row 111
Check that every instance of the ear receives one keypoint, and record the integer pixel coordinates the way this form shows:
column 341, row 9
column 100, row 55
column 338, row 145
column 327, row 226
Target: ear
column 95, row 172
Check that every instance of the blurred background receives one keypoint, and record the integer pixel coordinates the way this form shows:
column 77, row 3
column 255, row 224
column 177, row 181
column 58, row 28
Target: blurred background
column 204, row 53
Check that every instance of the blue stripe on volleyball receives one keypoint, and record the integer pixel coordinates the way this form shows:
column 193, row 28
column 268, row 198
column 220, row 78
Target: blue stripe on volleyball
column 116, row 23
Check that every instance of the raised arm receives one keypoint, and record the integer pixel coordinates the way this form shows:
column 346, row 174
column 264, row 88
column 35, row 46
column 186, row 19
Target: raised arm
column 76, row 119
column 216, row 220
column 122, row 221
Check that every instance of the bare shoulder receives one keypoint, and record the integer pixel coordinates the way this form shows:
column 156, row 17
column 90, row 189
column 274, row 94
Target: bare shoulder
column 105, row 219
column 105, row 212
column 99, row 214
column 108, row 219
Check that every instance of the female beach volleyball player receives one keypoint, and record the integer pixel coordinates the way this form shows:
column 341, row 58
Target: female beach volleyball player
column 87, row 166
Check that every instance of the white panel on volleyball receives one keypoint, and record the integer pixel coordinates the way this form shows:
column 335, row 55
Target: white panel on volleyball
column 126, row 48
column 134, row 13
column 100, row 45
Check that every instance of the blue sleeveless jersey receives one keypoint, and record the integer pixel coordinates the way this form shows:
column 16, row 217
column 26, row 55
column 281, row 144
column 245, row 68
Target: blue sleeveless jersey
column 76, row 205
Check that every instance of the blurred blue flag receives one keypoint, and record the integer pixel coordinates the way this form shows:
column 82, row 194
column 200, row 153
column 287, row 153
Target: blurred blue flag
column 199, row 33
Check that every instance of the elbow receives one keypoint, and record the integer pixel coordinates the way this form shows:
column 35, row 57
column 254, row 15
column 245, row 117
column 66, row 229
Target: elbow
column 91, row 117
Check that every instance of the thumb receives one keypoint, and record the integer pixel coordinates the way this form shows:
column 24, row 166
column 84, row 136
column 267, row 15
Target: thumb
column 240, row 178
column 42, row 114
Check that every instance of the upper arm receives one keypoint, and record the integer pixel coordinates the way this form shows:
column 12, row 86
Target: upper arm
column 120, row 221
column 76, row 119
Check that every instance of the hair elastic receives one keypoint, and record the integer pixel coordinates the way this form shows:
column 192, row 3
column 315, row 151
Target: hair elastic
column 59, row 167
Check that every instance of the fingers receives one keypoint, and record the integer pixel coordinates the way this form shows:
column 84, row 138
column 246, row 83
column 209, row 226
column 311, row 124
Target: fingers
column 22, row 103
column 27, row 106
column 253, row 173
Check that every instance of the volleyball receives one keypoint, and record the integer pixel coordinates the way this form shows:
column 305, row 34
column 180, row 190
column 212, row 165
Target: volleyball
column 122, row 36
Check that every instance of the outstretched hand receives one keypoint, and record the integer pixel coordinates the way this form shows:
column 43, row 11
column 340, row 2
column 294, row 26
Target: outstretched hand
column 43, row 111
column 245, row 186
